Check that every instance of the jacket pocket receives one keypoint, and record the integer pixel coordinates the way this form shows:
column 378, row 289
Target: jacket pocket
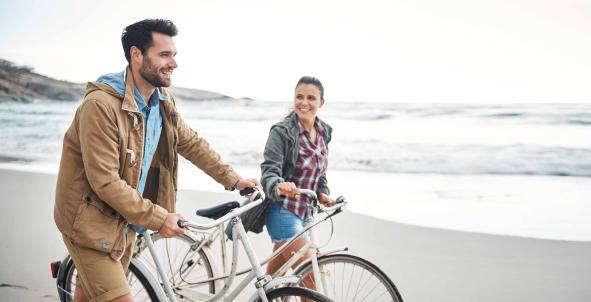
column 98, row 226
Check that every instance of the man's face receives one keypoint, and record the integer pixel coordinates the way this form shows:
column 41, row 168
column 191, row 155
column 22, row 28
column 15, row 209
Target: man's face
column 158, row 61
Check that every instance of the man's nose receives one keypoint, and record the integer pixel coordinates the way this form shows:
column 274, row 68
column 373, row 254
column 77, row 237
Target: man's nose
column 173, row 63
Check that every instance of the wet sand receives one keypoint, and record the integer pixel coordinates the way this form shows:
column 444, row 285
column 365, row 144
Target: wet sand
column 426, row 264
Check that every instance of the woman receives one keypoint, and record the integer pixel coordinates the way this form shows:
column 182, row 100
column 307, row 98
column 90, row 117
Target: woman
column 296, row 156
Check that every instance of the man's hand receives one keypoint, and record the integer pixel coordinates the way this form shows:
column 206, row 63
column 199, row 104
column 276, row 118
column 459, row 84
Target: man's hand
column 170, row 227
column 247, row 183
column 326, row 200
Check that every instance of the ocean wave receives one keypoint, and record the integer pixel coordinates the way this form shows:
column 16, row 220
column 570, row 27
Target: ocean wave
column 579, row 122
column 506, row 115
column 469, row 159
column 450, row 160
column 542, row 139
column 569, row 114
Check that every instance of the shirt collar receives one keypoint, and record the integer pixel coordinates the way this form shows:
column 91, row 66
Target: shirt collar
column 317, row 125
column 141, row 104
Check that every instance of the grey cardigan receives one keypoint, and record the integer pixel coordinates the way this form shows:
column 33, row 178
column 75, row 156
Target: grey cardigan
column 281, row 154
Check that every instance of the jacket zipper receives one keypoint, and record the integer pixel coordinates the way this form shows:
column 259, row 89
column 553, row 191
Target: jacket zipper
column 142, row 153
column 132, row 162
column 135, row 124
column 138, row 175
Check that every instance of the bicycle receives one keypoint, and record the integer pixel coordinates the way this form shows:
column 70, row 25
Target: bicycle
column 364, row 279
column 343, row 277
column 145, row 285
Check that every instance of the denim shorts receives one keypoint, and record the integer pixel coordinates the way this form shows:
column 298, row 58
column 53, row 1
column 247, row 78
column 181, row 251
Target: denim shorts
column 282, row 224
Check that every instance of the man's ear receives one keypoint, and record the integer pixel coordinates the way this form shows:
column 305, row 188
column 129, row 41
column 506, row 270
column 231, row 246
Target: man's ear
column 321, row 103
column 136, row 55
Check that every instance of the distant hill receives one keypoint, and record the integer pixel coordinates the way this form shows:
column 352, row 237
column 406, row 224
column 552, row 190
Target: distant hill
column 22, row 84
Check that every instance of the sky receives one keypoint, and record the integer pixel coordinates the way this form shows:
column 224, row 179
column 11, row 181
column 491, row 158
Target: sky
column 362, row 51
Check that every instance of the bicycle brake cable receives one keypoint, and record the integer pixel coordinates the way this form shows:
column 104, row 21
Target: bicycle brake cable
column 331, row 232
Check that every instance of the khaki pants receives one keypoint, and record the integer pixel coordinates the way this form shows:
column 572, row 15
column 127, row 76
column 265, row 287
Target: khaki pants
column 101, row 277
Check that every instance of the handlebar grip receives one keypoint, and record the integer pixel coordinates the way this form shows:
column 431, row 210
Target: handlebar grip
column 246, row 191
column 181, row 223
column 281, row 194
column 339, row 200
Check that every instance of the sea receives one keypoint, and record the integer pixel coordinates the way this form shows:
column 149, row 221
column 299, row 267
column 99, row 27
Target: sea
column 520, row 169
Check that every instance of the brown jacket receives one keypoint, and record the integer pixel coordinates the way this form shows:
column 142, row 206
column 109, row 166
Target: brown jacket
column 96, row 194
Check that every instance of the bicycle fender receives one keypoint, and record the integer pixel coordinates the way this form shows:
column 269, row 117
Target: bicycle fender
column 284, row 280
column 143, row 268
column 291, row 279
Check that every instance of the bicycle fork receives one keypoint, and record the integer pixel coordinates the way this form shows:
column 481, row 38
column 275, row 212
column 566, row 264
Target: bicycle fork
column 165, row 282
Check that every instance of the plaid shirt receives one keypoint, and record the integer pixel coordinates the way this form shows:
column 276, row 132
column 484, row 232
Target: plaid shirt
column 312, row 163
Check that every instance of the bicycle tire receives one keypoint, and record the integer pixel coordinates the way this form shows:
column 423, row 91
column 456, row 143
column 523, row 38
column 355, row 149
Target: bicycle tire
column 140, row 287
column 178, row 254
column 351, row 278
column 289, row 294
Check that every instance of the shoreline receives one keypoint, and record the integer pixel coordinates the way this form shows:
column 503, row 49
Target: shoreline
column 527, row 205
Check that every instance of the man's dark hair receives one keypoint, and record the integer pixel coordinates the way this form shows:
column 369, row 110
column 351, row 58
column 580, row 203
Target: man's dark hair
column 139, row 34
column 314, row 81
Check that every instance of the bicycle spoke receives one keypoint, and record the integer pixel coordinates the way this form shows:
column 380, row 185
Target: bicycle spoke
column 354, row 279
column 358, row 285
column 350, row 281
column 334, row 280
column 184, row 266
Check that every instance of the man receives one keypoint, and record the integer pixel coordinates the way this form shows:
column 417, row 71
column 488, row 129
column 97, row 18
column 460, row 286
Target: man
column 118, row 171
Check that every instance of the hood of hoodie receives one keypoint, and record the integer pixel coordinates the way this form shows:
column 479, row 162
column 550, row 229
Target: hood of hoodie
column 111, row 83
column 119, row 85
column 115, row 80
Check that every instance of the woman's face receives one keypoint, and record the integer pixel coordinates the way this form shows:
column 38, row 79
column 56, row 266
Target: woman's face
column 307, row 101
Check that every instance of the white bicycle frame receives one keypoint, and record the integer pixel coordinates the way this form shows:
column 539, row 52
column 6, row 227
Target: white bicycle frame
column 311, row 245
column 263, row 281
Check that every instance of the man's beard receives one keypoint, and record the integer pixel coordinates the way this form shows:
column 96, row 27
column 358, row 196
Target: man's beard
column 150, row 73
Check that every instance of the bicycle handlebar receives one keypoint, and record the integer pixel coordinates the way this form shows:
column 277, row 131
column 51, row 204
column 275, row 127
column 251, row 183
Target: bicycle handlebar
column 258, row 196
column 340, row 202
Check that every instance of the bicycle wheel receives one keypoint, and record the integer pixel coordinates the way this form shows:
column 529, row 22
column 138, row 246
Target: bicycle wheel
column 289, row 294
column 184, row 265
column 140, row 287
column 350, row 278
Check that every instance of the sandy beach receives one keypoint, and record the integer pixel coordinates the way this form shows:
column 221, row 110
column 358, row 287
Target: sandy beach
column 426, row 264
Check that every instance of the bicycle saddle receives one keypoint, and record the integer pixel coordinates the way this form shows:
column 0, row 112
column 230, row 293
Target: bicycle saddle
column 219, row 210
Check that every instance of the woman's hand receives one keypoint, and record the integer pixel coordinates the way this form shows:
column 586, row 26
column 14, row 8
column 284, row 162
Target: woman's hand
column 326, row 200
column 288, row 189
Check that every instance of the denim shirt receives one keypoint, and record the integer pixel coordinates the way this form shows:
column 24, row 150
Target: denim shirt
column 152, row 123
